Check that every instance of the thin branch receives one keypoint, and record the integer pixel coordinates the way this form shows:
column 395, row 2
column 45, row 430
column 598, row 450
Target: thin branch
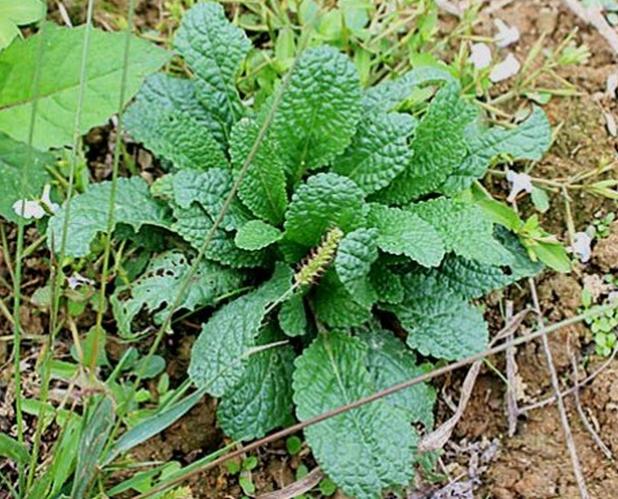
column 594, row 312
column 511, row 375
column 564, row 418
column 297, row 488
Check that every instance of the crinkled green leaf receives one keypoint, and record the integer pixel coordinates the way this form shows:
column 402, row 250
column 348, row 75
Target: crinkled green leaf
column 214, row 49
column 133, row 206
column 194, row 225
column 521, row 266
column 464, row 229
column 439, row 147
column 404, row 233
column 335, row 306
column 169, row 120
column 219, row 355
column 318, row 111
column 386, row 95
column 262, row 399
column 387, row 284
column 391, row 362
column 292, row 316
column 530, row 140
column 364, row 450
column 59, row 82
column 263, row 187
column 255, row 235
column 161, row 283
column 440, row 323
column 379, row 151
column 355, row 254
column 15, row 157
column 210, row 189
column 325, row 200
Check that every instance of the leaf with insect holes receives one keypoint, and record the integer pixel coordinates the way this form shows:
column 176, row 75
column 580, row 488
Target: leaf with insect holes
column 194, row 225
column 386, row 95
column 319, row 110
column 162, row 281
column 403, row 233
column 464, row 229
column 14, row 14
column 292, row 316
column 169, row 120
column 133, row 206
column 263, row 186
column 390, row 362
column 439, row 322
column 15, row 157
column 379, row 151
column 325, row 200
column 221, row 351
column 209, row 189
column 364, row 450
column 439, row 147
column 355, row 254
column 530, row 140
column 59, row 77
column 262, row 399
column 255, row 235
column 214, row 49
column 335, row 306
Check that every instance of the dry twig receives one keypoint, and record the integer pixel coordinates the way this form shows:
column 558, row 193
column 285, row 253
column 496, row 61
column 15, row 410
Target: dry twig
column 511, row 374
column 297, row 488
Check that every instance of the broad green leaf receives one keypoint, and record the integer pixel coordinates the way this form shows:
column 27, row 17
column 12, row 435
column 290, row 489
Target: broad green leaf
column 364, row 450
column 521, row 266
column 439, row 147
column 530, row 140
column 553, row 255
column 263, row 187
column 262, row 399
column 292, row 316
column 386, row 283
column 440, row 323
column 319, row 110
column 169, row 120
column 91, row 445
column 389, row 362
column 14, row 13
column 464, row 229
column 219, row 355
column 386, row 95
column 379, row 151
column 355, row 254
column 335, row 306
column 15, row 157
column 89, row 214
column 11, row 448
column 194, row 224
column 323, row 201
column 210, row 189
column 255, row 235
column 161, row 283
column 404, row 233
column 214, row 49
column 59, row 82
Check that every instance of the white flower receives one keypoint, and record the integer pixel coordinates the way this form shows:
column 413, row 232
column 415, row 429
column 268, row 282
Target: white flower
column 77, row 280
column 29, row 209
column 36, row 208
column 520, row 182
column 480, row 55
column 506, row 34
column 581, row 246
column 505, row 69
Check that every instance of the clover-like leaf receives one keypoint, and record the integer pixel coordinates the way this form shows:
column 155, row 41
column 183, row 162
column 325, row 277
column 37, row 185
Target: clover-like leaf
column 220, row 353
column 133, row 206
column 352, row 446
column 319, row 110
column 325, row 200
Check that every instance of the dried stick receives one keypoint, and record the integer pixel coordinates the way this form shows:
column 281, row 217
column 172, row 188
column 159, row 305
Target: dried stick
column 297, row 488
column 564, row 419
column 582, row 414
column 594, row 17
column 511, row 374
